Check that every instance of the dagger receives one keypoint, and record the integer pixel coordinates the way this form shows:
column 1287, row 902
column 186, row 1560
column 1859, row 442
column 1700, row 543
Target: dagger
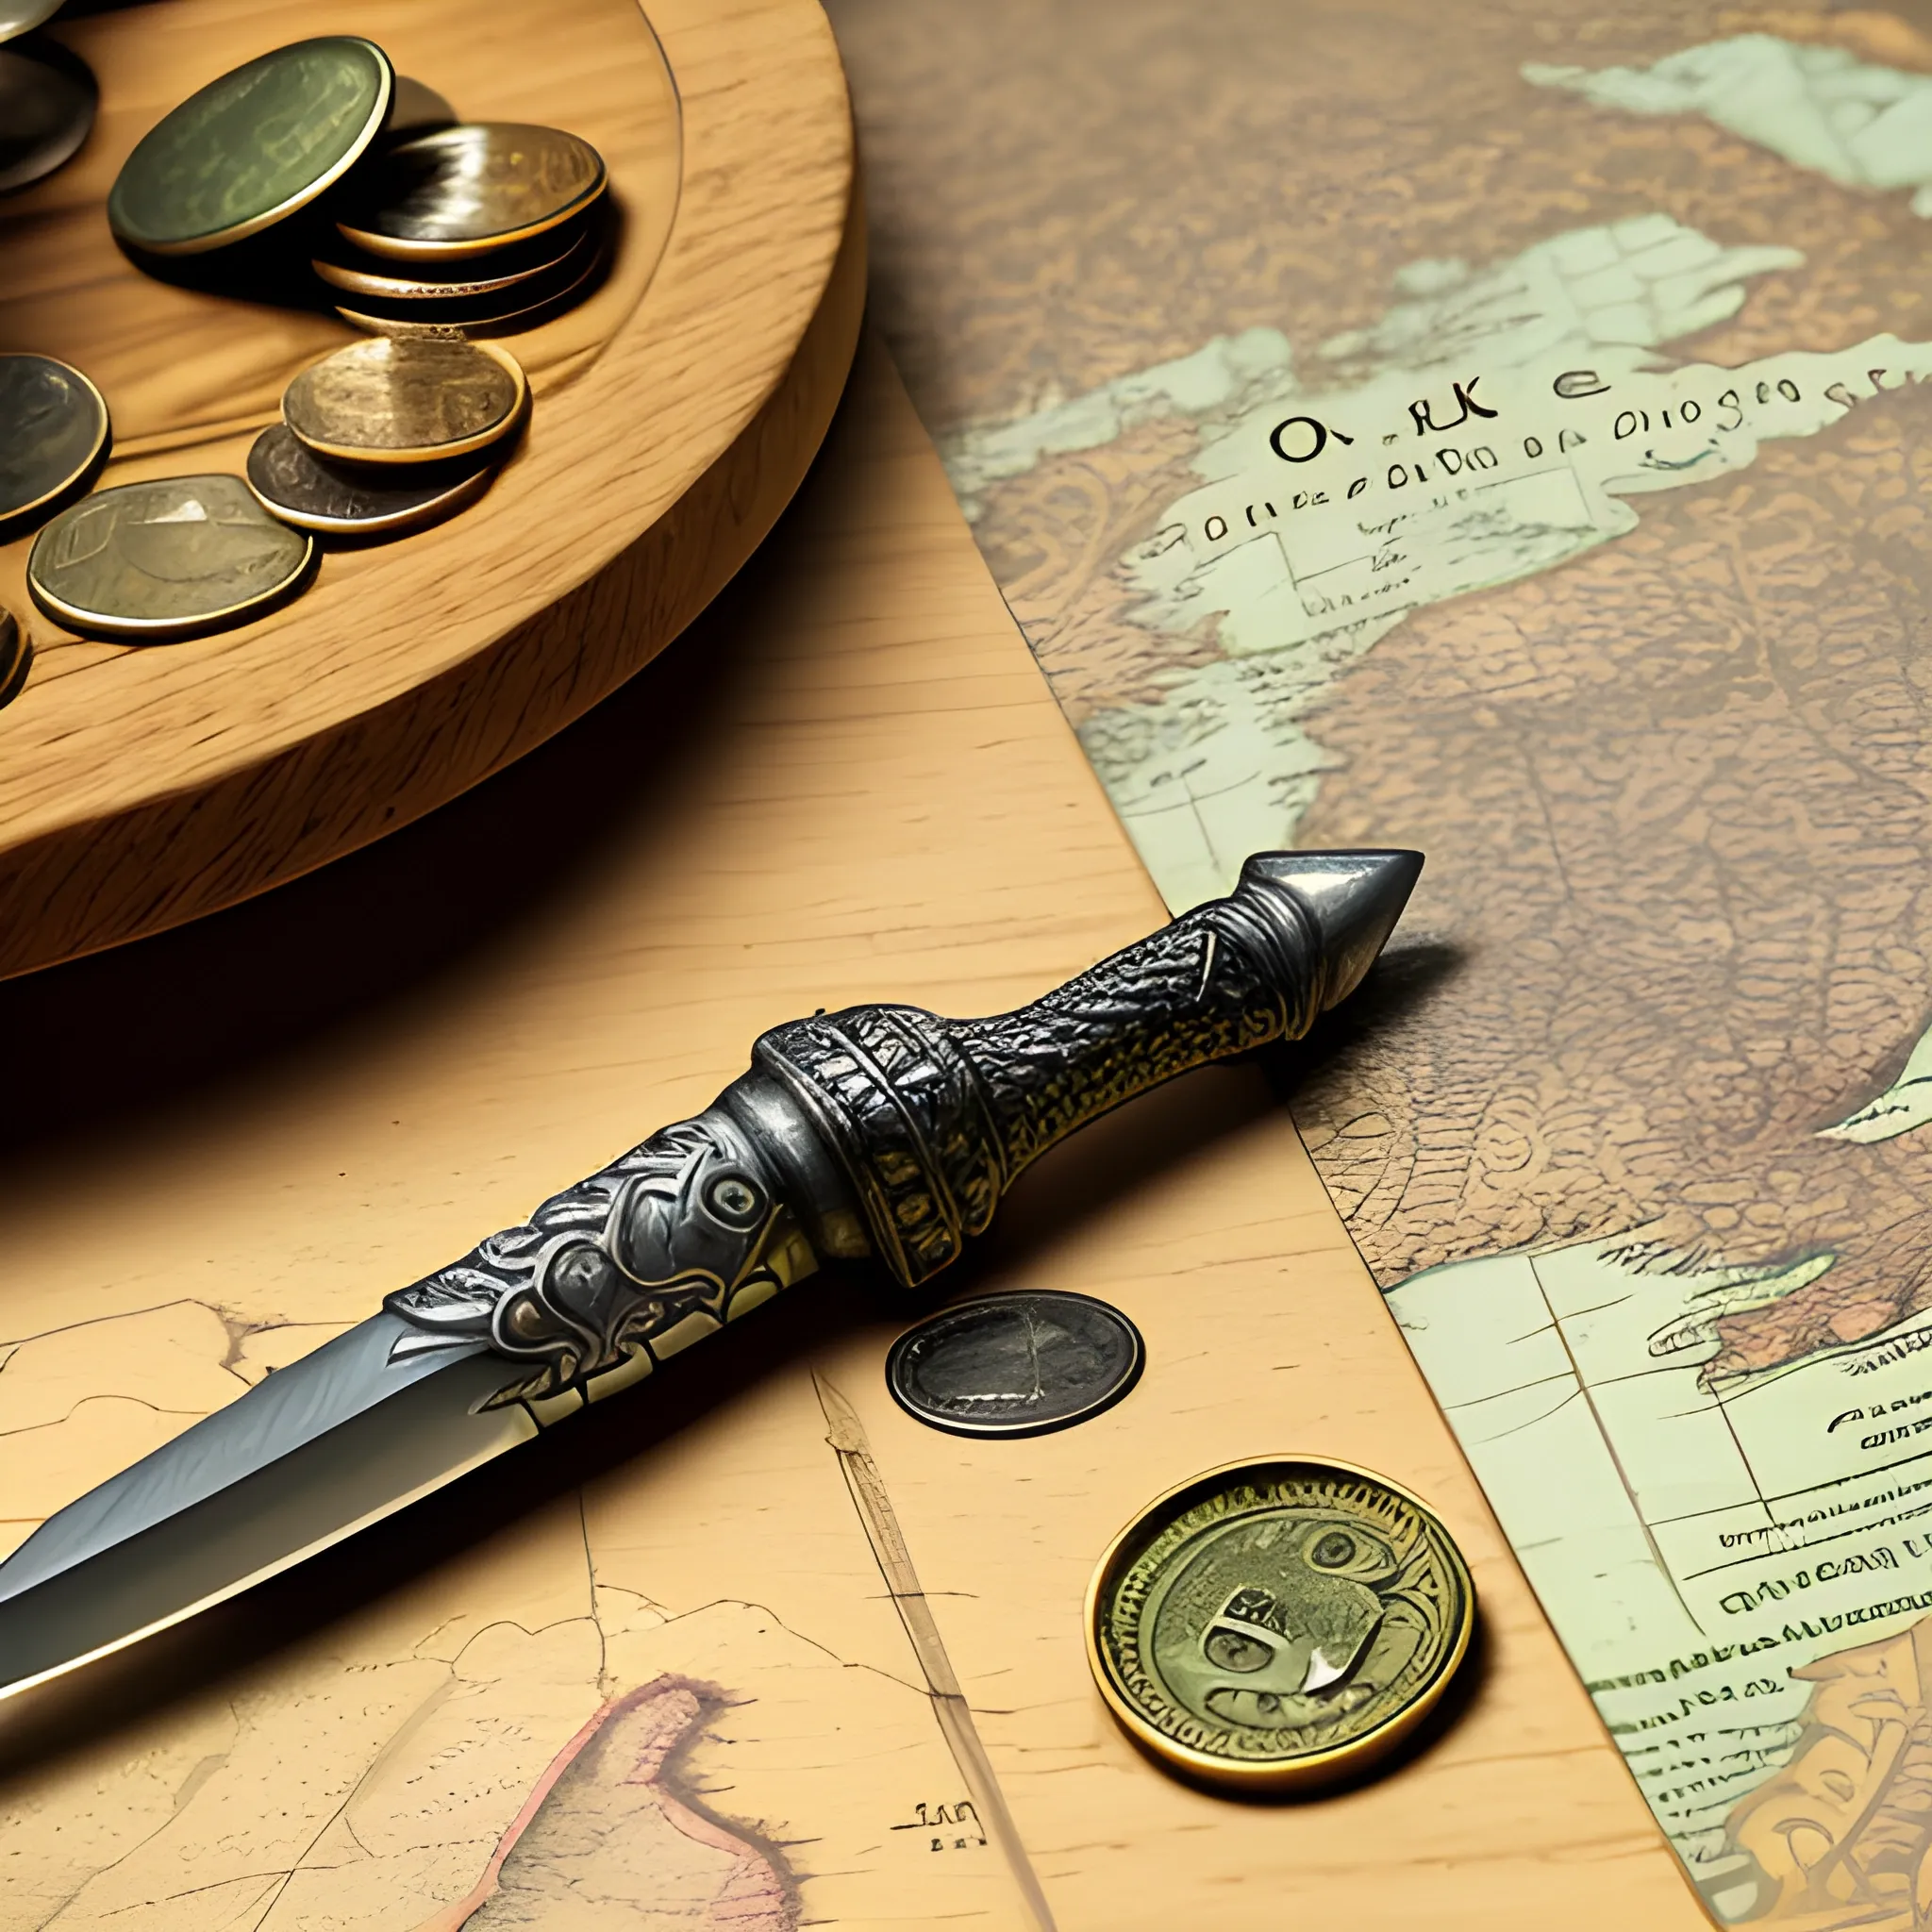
column 880, row 1132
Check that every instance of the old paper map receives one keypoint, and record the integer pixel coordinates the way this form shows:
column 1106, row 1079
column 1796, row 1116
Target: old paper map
column 526, row 1740
column 1503, row 429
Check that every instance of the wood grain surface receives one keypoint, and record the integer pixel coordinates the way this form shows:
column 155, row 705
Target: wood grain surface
column 261, row 1123
column 674, row 412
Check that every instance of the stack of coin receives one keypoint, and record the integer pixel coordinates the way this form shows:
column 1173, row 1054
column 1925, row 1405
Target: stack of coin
column 388, row 435
column 482, row 226
column 412, row 220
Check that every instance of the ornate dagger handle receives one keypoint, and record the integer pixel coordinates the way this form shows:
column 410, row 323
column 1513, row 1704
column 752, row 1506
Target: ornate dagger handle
column 889, row 1131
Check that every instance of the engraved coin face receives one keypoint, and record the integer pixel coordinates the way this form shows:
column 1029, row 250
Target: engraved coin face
column 407, row 399
column 47, row 100
column 171, row 559
column 1279, row 1625
column 253, row 147
column 467, row 190
column 1015, row 1364
column 53, row 432
column 313, row 493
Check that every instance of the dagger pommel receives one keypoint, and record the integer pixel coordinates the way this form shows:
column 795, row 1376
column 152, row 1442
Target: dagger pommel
column 886, row 1131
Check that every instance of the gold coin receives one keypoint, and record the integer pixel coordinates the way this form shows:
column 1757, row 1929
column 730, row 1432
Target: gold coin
column 47, row 101
column 407, row 399
column 457, row 281
column 468, row 189
column 151, row 561
column 292, row 482
column 1279, row 1625
column 53, row 435
column 251, row 148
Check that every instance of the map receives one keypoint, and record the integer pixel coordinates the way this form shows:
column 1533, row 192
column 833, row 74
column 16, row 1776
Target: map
column 1502, row 430
column 522, row 1740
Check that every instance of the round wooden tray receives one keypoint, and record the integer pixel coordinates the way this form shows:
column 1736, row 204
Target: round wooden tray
column 674, row 413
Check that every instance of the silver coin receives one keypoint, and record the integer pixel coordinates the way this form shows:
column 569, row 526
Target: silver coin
column 1017, row 1364
column 292, row 482
column 53, row 436
column 47, row 101
column 176, row 557
column 19, row 17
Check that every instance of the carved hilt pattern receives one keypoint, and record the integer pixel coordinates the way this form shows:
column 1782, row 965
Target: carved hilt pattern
column 889, row 1131
column 669, row 1243
column 932, row 1118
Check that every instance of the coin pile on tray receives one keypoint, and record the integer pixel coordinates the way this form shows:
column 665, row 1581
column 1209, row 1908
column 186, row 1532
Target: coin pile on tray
column 317, row 165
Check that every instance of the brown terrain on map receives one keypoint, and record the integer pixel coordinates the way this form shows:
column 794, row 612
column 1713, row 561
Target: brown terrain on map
column 1677, row 794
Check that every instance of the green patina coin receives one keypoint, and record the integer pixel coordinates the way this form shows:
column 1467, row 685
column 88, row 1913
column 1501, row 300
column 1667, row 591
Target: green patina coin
column 1279, row 1625
column 171, row 559
column 53, row 432
column 253, row 147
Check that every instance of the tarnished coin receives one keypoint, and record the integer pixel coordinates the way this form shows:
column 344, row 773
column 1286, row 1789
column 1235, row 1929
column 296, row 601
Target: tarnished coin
column 467, row 190
column 335, row 499
column 407, row 399
column 1015, row 1364
column 151, row 561
column 252, row 147
column 1279, row 1625
column 53, row 433
column 560, row 249
column 16, row 656
column 47, row 101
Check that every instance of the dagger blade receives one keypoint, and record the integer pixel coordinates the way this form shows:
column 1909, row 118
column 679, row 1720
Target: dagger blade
column 313, row 1452
column 881, row 1132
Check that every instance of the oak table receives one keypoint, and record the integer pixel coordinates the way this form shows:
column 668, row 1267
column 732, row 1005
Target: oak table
column 675, row 410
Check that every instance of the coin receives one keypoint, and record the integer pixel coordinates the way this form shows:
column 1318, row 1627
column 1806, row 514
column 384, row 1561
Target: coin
column 21, row 16
column 301, row 488
column 1015, row 1364
column 253, row 147
column 150, row 561
column 16, row 656
column 509, row 312
column 556, row 249
column 407, row 399
column 47, row 100
column 467, row 190
column 1279, row 1625
column 53, row 435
